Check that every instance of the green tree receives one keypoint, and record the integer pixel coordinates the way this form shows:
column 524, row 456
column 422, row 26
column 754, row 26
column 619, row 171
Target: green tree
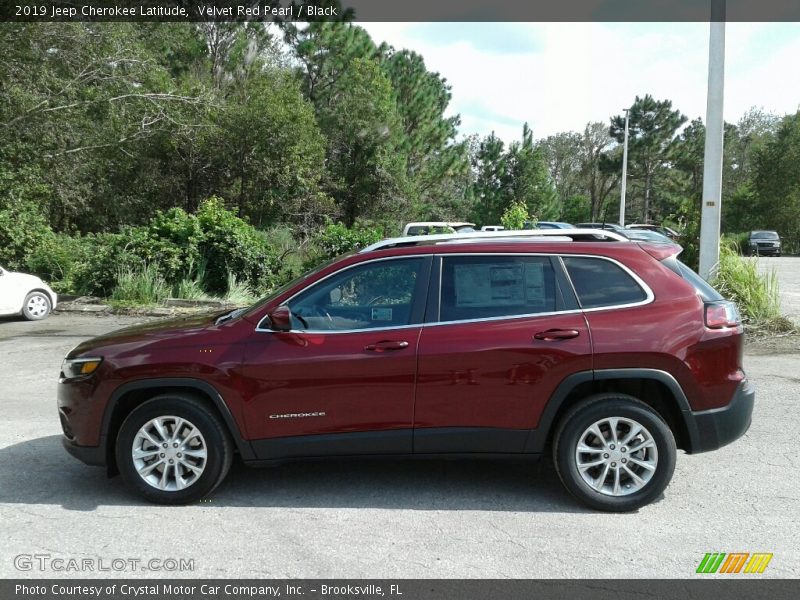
column 652, row 128
column 325, row 52
column 366, row 165
column 529, row 178
column 491, row 175
column 427, row 139
column 777, row 182
column 270, row 139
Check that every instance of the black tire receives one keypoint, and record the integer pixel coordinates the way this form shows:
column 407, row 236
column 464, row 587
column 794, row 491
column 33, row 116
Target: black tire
column 38, row 311
column 219, row 447
column 593, row 409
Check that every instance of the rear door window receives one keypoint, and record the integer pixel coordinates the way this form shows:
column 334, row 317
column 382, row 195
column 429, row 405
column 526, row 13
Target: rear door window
column 599, row 282
column 481, row 287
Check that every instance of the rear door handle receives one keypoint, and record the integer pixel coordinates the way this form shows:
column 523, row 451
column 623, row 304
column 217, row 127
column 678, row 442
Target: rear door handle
column 386, row 345
column 552, row 335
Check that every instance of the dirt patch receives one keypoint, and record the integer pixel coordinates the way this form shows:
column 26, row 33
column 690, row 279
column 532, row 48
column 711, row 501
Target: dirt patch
column 788, row 343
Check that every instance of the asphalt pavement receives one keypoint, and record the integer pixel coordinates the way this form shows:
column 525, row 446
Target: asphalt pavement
column 378, row 519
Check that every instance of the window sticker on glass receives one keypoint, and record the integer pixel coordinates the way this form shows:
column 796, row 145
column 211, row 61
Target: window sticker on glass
column 381, row 314
column 534, row 283
column 480, row 285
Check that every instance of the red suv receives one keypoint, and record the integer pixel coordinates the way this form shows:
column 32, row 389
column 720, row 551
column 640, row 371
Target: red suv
column 609, row 354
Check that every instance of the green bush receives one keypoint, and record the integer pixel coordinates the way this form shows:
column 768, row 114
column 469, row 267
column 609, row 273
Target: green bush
column 231, row 245
column 757, row 296
column 22, row 230
column 56, row 259
column 336, row 239
column 102, row 257
column 172, row 243
column 736, row 241
column 516, row 215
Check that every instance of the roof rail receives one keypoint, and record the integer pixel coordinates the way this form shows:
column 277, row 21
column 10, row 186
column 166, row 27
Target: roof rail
column 573, row 234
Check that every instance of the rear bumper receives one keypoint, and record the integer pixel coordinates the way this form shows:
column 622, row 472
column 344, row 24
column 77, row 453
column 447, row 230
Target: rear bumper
column 712, row 429
column 91, row 455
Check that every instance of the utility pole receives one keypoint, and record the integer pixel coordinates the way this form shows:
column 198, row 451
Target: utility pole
column 712, row 161
column 624, row 171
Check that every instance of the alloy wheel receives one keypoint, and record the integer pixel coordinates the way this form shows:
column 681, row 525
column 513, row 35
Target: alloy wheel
column 616, row 456
column 169, row 453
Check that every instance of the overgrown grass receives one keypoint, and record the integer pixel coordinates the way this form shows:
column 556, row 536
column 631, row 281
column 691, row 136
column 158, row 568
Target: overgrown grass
column 142, row 286
column 239, row 292
column 756, row 295
column 189, row 289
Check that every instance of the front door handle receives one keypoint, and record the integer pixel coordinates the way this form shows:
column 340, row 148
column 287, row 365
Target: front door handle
column 386, row 345
column 552, row 335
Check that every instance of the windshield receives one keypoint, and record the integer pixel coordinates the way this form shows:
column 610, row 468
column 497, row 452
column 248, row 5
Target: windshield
column 277, row 292
column 764, row 235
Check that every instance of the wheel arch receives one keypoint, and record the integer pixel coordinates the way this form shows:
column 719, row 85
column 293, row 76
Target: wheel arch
column 130, row 395
column 658, row 389
column 31, row 291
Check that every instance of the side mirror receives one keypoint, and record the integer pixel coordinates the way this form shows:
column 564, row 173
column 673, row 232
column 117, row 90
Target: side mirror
column 280, row 319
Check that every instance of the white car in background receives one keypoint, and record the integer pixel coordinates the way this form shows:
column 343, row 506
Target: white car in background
column 429, row 227
column 26, row 295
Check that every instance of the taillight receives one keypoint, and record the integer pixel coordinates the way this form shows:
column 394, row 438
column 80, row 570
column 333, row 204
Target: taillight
column 722, row 314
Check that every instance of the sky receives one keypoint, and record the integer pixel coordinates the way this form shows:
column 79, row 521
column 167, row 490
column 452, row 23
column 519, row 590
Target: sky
column 559, row 76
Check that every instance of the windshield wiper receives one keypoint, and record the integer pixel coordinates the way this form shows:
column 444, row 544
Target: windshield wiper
column 228, row 316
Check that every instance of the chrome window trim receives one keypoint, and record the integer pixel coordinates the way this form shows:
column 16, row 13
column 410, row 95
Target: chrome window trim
column 650, row 296
column 337, row 272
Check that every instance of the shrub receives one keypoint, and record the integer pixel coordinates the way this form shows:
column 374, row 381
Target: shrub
column 736, row 241
column 516, row 215
column 231, row 244
column 22, row 230
column 170, row 240
column 56, row 259
column 335, row 239
column 757, row 296
column 102, row 257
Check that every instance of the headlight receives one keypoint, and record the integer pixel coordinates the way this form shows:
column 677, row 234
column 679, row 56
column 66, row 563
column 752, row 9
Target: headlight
column 72, row 368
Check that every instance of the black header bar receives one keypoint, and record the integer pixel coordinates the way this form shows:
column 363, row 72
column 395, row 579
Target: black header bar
column 401, row 10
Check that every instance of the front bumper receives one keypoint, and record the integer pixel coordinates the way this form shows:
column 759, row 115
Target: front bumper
column 712, row 429
column 91, row 455
column 766, row 250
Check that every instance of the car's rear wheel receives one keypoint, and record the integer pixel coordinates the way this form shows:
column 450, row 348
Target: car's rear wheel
column 173, row 449
column 37, row 306
column 614, row 453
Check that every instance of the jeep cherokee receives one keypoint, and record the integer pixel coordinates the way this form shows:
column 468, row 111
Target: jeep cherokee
column 608, row 353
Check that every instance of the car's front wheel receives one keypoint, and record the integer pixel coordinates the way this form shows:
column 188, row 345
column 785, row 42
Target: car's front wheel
column 173, row 449
column 615, row 453
column 37, row 306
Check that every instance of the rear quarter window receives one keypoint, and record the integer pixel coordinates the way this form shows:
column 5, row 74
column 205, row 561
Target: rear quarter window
column 599, row 282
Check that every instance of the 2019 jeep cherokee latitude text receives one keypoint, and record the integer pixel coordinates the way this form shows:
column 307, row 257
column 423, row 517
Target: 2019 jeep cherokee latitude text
column 610, row 355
